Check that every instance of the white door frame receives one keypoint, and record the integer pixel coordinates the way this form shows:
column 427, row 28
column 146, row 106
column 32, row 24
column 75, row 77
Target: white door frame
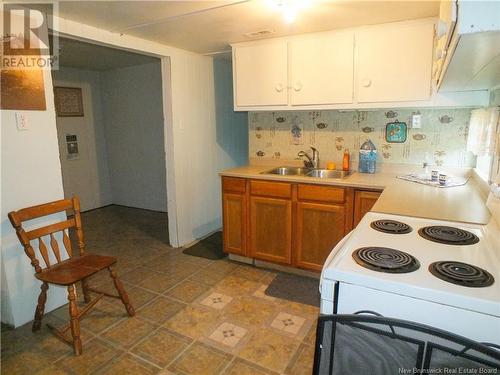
column 167, row 121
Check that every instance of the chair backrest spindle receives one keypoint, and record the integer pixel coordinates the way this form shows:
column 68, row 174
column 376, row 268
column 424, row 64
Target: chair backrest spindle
column 18, row 217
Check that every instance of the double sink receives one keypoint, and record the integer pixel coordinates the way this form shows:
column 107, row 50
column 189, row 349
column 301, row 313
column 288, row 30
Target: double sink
column 308, row 172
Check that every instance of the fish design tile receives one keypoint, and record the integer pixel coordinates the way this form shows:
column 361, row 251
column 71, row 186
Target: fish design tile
column 281, row 135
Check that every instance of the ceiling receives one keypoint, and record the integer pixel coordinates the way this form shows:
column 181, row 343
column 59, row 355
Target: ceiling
column 81, row 55
column 210, row 26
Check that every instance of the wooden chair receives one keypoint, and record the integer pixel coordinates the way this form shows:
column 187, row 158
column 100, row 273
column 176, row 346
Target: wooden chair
column 77, row 268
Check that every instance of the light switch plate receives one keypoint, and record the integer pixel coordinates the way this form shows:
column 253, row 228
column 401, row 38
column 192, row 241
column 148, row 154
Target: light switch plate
column 416, row 121
column 21, row 121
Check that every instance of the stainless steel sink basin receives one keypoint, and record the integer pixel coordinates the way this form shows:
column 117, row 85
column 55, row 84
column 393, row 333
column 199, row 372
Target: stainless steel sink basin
column 308, row 172
column 289, row 171
column 326, row 173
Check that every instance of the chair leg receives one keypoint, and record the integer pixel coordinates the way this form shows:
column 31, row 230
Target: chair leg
column 75, row 322
column 121, row 291
column 40, row 308
column 86, row 294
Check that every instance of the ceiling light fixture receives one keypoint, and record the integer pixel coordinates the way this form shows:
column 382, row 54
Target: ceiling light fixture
column 290, row 8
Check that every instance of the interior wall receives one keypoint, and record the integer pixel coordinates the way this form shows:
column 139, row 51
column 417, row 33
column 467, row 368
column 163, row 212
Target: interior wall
column 189, row 107
column 88, row 175
column 134, row 132
column 231, row 126
column 30, row 175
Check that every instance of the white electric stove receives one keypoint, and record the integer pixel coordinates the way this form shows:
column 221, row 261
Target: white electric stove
column 453, row 286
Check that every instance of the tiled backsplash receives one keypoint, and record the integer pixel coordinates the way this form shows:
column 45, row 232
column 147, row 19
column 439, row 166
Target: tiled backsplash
column 441, row 138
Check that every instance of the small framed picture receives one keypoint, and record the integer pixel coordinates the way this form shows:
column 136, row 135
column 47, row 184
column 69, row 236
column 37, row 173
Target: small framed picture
column 68, row 101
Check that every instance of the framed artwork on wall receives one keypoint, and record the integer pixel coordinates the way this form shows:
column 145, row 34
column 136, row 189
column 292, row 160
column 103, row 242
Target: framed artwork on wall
column 22, row 90
column 68, row 101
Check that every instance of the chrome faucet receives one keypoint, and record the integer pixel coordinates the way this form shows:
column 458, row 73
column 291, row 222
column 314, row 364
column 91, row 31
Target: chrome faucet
column 312, row 161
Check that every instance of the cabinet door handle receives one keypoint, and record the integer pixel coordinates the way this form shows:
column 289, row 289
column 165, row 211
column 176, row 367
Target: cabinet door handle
column 297, row 86
column 278, row 87
column 365, row 82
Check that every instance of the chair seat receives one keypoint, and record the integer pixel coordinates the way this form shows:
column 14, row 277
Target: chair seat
column 75, row 269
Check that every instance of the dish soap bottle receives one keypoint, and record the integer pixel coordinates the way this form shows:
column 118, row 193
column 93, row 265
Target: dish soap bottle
column 345, row 161
column 367, row 157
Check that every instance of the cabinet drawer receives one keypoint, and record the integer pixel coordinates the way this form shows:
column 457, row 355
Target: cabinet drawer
column 321, row 193
column 271, row 189
column 234, row 184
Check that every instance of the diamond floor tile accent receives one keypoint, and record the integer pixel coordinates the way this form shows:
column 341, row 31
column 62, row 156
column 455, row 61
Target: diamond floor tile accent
column 228, row 334
column 217, row 301
column 288, row 323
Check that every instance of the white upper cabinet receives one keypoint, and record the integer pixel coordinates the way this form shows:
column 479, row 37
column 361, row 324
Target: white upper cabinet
column 321, row 69
column 394, row 63
column 379, row 66
column 260, row 74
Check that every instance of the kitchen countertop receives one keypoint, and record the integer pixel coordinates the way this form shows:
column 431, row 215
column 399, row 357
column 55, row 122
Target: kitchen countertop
column 462, row 203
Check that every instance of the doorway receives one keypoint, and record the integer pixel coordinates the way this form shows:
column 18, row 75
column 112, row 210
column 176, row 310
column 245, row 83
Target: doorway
column 109, row 116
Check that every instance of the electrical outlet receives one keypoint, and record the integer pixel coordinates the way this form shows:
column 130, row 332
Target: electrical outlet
column 21, row 121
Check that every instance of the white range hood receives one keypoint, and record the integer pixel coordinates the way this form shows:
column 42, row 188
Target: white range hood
column 468, row 46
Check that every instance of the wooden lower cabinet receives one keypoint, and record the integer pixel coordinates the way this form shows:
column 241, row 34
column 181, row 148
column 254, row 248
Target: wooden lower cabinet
column 234, row 215
column 289, row 223
column 271, row 229
column 318, row 228
column 363, row 203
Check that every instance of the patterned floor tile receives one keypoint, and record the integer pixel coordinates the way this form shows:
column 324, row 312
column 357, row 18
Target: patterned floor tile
column 137, row 275
column 128, row 364
column 187, row 291
column 201, row 359
column 228, row 334
column 242, row 367
column 208, row 276
column 24, row 362
column 95, row 355
column 310, row 338
column 261, row 293
column 302, row 363
column 269, row 349
column 216, row 300
column 158, row 282
column 193, row 321
column 236, row 286
column 139, row 296
column 162, row 347
column 128, row 332
column 251, row 273
column 160, row 309
column 249, row 311
column 150, row 269
column 103, row 315
column 288, row 323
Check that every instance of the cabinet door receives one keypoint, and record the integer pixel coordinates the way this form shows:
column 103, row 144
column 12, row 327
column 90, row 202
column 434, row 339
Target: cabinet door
column 394, row 63
column 363, row 203
column 260, row 74
column 319, row 228
column 271, row 229
column 234, row 217
column 321, row 69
